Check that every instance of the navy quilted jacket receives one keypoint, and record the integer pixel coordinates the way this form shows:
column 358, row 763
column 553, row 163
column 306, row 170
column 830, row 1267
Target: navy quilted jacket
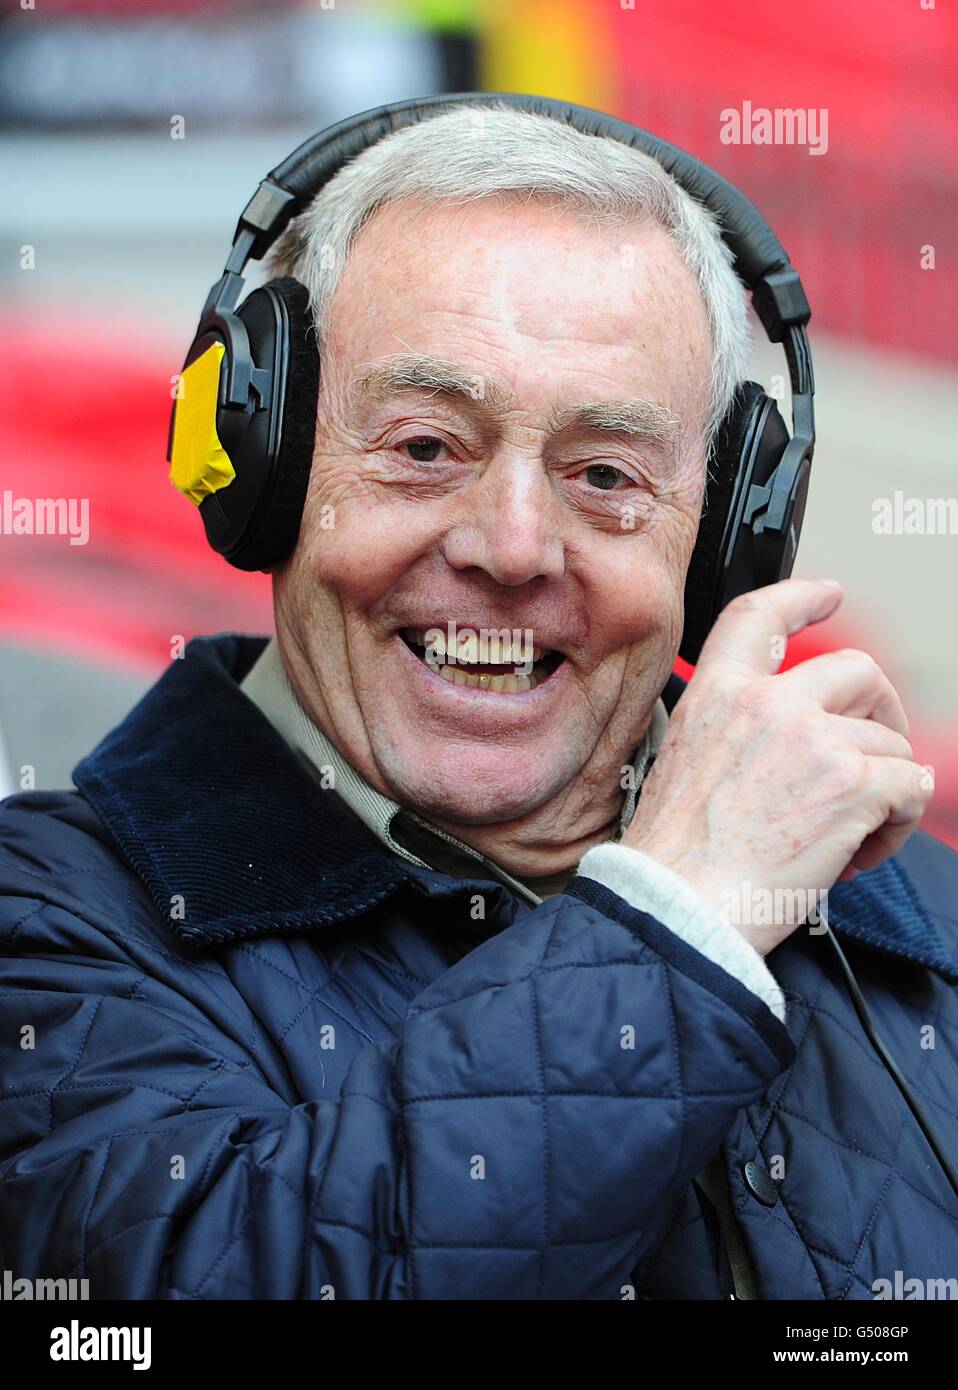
column 248, row 1053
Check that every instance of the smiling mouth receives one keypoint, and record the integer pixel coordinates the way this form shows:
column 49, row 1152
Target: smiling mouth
column 502, row 674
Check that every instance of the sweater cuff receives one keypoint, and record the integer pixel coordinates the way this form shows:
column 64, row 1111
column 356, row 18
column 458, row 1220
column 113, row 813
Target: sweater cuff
column 650, row 887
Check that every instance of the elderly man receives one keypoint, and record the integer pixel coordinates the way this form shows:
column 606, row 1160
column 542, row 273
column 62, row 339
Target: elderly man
column 436, row 948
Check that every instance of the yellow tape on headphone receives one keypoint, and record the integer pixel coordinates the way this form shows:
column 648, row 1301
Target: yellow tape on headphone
column 199, row 464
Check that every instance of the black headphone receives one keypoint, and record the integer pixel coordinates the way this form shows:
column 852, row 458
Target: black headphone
column 247, row 398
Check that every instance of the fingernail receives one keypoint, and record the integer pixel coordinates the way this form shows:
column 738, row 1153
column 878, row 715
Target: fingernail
column 830, row 583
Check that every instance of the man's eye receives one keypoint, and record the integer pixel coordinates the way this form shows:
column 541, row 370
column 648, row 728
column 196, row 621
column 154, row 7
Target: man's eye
column 424, row 448
column 603, row 476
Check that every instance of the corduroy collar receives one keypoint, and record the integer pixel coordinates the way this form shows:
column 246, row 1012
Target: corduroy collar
column 233, row 836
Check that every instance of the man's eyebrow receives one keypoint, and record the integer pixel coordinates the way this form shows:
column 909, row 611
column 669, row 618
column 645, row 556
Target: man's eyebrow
column 635, row 417
column 418, row 372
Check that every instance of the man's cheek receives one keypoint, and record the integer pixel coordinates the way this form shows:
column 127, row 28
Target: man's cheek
column 363, row 554
column 349, row 562
column 641, row 604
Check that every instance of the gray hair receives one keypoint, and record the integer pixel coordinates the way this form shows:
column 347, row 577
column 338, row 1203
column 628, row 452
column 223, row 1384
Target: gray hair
column 467, row 153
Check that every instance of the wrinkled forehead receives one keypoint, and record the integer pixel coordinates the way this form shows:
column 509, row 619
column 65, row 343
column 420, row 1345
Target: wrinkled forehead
column 538, row 297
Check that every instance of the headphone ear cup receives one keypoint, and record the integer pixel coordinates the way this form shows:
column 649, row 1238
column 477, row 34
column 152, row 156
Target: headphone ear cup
column 722, row 492
column 255, row 521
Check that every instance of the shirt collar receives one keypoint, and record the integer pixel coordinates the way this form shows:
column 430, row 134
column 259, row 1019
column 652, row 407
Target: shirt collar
column 267, row 685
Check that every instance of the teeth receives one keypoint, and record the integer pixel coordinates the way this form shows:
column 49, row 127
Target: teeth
column 498, row 653
column 512, row 685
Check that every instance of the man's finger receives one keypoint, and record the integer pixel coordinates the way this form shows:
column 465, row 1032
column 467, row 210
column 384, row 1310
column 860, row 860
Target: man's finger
column 871, row 736
column 884, row 842
column 901, row 786
column 749, row 635
column 848, row 682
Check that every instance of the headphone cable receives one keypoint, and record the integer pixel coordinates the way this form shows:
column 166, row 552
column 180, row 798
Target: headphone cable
column 865, row 1018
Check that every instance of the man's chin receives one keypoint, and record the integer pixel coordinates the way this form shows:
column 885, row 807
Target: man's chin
column 490, row 790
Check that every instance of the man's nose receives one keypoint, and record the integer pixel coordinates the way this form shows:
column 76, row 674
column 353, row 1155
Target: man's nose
column 510, row 526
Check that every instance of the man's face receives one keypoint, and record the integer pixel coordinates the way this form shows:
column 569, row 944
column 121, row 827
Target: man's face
column 510, row 436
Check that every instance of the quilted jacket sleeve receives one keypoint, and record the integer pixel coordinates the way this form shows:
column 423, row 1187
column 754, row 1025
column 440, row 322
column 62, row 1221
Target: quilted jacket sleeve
column 523, row 1137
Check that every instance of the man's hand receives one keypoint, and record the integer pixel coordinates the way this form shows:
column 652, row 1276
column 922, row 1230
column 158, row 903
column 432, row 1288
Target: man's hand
column 779, row 781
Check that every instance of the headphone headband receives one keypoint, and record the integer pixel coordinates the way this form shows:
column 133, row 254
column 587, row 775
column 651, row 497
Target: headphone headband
column 761, row 261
